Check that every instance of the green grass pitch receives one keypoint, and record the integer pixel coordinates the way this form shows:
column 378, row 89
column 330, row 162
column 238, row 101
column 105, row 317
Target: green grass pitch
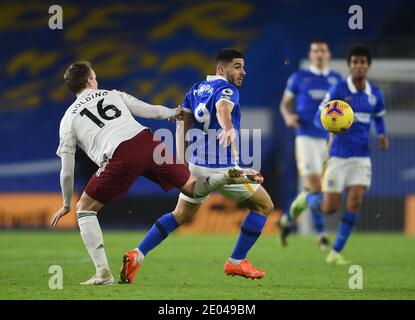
column 191, row 267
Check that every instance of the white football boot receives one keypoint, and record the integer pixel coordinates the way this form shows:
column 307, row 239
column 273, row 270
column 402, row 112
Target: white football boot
column 102, row 277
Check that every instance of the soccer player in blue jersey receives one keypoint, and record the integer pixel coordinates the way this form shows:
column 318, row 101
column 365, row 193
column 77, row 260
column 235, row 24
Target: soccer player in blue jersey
column 212, row 106
column 349, row 166
column 306, row 89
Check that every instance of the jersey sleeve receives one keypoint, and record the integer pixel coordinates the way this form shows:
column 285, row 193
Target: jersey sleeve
column 67, row 141
column 145, row 110
column 379, row 113
column 228, row 93
column 380, row 106
column 292, row 87
column 187, row 102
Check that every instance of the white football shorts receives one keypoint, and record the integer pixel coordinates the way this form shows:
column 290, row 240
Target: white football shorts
column 237, row 192
column 310, row 154
column 340, row 173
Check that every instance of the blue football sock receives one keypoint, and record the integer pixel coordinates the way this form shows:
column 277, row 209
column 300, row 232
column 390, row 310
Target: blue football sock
column 318, row 220
column 250, row 231
column 345, row 229
column 314, row 200
column 158, row 232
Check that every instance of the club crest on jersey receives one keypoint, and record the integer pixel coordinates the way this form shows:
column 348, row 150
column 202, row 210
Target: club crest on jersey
column 227, row 92
column 372, row 100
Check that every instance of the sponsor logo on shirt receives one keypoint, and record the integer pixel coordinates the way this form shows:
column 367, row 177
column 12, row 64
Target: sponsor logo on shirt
column 317, row 94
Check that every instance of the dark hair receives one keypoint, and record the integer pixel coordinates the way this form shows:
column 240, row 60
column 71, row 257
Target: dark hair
column 359, row 50
column 319, row 41
column 227, row 55
column 76, row 75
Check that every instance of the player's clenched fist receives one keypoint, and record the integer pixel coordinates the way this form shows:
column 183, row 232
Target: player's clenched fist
column 292, row 120
column 178, row 115
column 383, row 142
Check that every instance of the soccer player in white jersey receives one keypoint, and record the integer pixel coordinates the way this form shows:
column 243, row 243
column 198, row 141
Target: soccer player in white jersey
column 306, row 88
column 101, row 123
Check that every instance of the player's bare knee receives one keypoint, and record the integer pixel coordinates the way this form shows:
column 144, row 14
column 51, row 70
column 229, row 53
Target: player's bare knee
column 188, row 187
column 269, row 207
column 330, row 208
column 264, row 207
column 84, row 206
column 87, row 203
column 353, row 204
column 313, row 183
column 182, row 216
column 184, row 212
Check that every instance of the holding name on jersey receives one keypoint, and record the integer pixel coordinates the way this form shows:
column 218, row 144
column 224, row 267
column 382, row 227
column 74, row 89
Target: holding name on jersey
column 336, row 116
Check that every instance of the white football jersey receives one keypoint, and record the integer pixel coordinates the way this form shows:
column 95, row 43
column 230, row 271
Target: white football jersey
column 98, row 121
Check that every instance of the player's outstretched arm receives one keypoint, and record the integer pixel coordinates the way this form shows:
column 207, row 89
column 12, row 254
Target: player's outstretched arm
column 224, row 115
column 66, row 181
column 145, row 110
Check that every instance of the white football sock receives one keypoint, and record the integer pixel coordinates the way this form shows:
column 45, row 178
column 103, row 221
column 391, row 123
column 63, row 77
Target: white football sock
column 206, row 184
column 322, row 234
column 92, row 236
column 140, row 256
column 235, row 262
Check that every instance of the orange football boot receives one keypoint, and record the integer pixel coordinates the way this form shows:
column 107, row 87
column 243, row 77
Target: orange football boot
column 244, row 269
column 129, row 267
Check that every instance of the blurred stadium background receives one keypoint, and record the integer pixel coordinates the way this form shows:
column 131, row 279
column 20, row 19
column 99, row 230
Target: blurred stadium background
column 156, row 50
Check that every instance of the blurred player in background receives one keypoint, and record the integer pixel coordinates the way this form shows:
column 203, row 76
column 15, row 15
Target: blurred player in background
column 307, row 88
column 349, row 166
column 101, row 123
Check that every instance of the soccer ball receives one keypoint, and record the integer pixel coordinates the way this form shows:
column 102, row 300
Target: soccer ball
column 337, row 116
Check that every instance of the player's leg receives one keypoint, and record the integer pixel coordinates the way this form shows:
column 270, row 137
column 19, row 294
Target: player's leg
column 328, row 204
column 358, row 171
column 310, row 155
column 109, row 183
column 193, row 189
column 90, row 230
column 184, row 212
column 333, row 183
column 193, row 194
column 313, row 184
column 201, row 186
column 260, row 205
column 353, row 201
